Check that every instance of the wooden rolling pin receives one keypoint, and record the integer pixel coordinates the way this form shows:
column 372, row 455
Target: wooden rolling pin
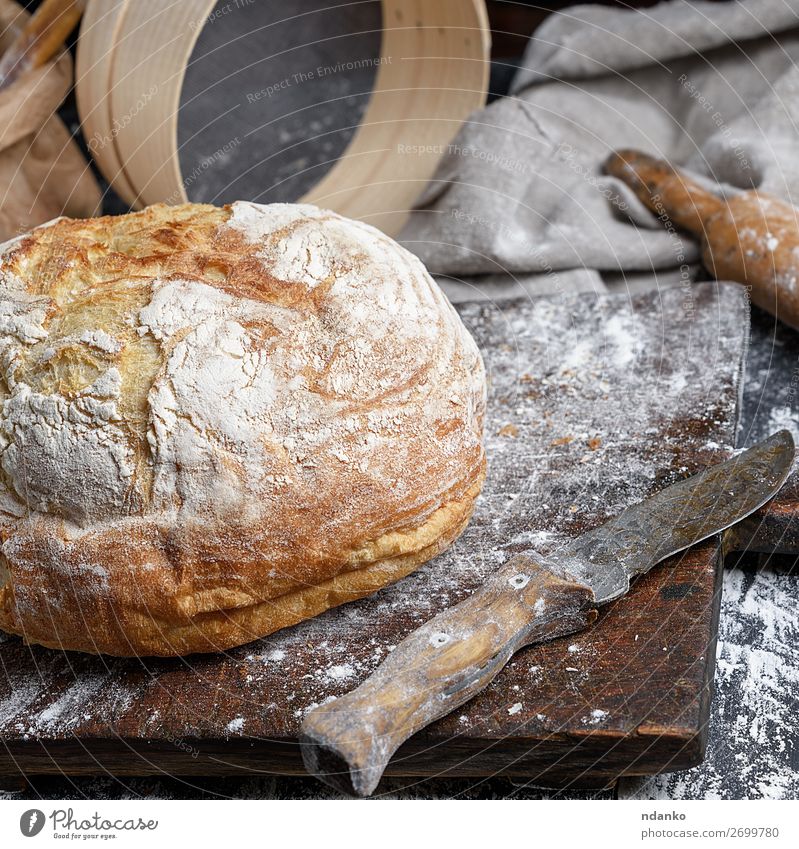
column 752, row 238
column 41, row 38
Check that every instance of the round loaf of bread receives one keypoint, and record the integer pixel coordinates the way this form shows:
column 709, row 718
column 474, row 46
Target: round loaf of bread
column 218, row 422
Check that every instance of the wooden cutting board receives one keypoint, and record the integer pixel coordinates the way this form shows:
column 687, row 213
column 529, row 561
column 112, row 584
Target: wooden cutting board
column 595, row 401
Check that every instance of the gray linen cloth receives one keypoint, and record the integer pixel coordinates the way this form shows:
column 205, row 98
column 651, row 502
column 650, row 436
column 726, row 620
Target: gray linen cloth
column 519, row 202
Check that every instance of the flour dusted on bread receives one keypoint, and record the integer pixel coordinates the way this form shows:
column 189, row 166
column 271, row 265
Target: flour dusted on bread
column 268, row 410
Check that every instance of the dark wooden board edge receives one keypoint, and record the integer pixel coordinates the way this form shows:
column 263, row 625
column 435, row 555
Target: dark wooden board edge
column 774, row 529
column 569, row 758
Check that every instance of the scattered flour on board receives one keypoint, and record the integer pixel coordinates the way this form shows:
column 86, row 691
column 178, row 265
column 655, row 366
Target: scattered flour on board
column 622, row 340
column 340, row 672
column 595, row 717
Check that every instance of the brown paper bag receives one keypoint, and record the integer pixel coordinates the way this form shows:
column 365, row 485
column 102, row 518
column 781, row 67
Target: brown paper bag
column 43, row 173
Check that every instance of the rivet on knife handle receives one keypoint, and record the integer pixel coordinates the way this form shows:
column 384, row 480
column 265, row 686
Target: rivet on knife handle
column 437, row 668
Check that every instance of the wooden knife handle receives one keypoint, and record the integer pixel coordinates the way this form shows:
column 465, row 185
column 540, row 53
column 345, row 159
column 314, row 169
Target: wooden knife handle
column 664, row 189
column 348, row 742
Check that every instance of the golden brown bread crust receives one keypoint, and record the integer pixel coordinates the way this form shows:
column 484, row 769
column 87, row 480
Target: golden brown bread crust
column 136, row 617
column 219, row 422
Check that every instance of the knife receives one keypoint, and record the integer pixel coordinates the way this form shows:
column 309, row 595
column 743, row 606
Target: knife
column 348, row 742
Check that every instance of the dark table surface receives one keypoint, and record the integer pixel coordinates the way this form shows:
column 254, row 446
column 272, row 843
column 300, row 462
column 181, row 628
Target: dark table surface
column 753, row 747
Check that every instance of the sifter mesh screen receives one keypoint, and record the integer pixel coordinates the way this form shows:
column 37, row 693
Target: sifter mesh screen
column 272, row 95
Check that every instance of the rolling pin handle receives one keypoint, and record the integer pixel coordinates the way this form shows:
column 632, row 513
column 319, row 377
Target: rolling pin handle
column 666, row 191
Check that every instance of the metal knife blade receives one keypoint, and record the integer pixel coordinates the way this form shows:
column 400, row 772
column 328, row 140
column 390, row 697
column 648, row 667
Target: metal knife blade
column 679, row 516
column 447, row 661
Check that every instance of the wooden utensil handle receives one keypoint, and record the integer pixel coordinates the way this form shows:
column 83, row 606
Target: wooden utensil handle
column 664, row 189
column 41, row 38
column 348, row 742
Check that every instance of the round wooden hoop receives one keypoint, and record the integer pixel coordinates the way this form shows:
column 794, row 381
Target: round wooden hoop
column 433, row 72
